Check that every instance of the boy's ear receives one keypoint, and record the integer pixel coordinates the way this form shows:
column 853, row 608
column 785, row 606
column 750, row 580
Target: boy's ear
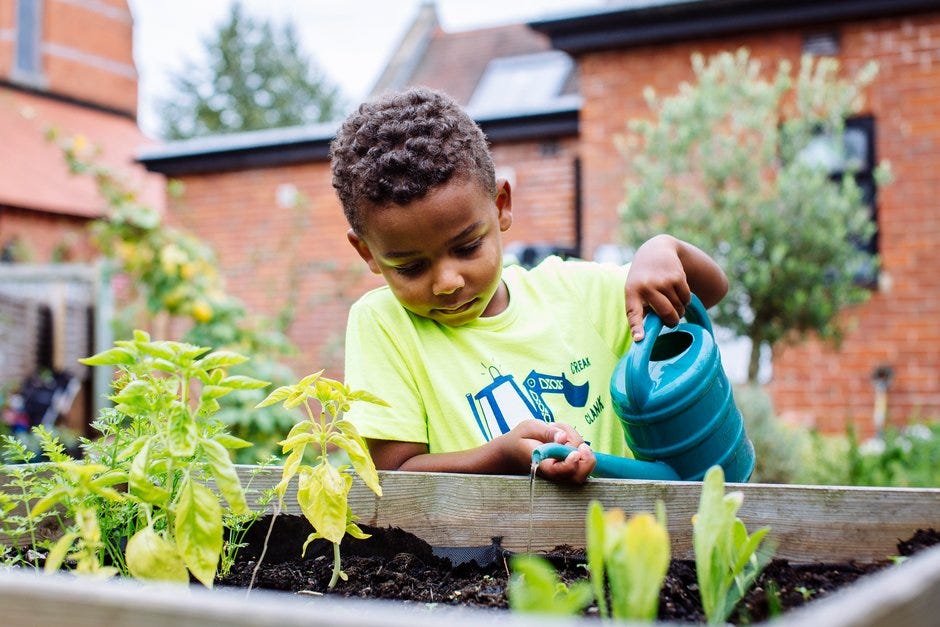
column 363, row 249
column 504, row 204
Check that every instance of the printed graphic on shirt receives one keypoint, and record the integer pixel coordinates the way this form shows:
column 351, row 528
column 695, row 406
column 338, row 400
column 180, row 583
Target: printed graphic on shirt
column 503, row 404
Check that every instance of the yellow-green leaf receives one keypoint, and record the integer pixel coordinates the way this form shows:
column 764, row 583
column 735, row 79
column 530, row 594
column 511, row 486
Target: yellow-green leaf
column 138, row 481
column 220, row 359
column 183, row 434
column 149, row 556
column 322, row 494
column 226, row 479
column 231, row 442
column 358, row 453
column 198, row 529
column 58, row 552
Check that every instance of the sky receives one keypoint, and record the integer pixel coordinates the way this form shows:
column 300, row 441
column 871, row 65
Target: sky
column 349, row 40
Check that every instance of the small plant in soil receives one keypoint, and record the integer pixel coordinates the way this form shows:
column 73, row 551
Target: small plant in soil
column 727, row 560
column 323, row 488
column 627, row 560
column 162, row 443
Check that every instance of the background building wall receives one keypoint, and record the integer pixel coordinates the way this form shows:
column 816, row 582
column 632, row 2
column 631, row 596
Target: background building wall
column 814, row 384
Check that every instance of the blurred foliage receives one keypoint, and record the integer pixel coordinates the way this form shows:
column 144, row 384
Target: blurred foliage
column 254, row 77
column 168, row 276
column 906, row 456
column 728, row 163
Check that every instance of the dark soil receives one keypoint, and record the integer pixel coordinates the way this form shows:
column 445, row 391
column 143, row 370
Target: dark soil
column 396, row 565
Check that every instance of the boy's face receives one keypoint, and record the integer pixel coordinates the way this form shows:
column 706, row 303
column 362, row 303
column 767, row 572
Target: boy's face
column 442, row 255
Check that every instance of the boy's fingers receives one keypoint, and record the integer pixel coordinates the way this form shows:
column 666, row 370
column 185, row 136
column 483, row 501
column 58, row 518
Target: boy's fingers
column 635, row 316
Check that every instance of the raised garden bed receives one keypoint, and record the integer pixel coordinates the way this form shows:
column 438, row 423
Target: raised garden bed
column 809, row 524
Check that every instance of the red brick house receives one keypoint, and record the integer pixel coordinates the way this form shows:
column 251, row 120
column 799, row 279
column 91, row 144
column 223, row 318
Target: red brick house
column 66, row 66
column 559, row 152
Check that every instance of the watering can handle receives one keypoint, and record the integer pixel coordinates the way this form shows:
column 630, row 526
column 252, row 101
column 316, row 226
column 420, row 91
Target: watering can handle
column 640, row 353
column 610, row 466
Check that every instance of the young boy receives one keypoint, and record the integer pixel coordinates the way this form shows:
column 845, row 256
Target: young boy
column 479, row 363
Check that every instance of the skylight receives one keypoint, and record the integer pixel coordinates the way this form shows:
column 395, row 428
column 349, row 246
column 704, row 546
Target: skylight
column 521, row 83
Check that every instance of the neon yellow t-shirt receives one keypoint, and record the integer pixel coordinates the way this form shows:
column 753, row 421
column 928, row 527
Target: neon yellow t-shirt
column 549, row 356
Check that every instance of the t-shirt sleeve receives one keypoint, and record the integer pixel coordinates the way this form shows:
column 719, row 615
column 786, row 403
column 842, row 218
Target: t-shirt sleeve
column 379, row 361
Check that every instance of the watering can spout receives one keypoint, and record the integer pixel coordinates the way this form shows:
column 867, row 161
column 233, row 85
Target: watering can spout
column 610, row 466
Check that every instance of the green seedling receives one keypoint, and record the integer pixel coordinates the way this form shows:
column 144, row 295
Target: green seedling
column 727, row 560
column 172, row 450
column 77, row 487
column 535, row 588
column 323, row 489
column 629, row 558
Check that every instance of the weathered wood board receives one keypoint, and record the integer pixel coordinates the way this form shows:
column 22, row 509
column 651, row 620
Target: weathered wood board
column 808, row 523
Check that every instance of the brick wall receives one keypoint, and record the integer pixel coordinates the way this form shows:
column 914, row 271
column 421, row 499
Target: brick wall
column 87, row 51
column 47, row 237
column 818, row 385
column 275, row 256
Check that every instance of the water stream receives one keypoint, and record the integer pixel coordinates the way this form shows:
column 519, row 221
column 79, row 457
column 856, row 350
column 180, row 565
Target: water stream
column 528, row 543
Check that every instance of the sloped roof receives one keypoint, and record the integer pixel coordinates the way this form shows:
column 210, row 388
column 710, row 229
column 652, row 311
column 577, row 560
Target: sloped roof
column 455, row 62
column 626, row 23
column 34, row 175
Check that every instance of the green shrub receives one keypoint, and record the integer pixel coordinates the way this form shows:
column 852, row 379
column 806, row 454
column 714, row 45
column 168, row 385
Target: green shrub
column 781, row 451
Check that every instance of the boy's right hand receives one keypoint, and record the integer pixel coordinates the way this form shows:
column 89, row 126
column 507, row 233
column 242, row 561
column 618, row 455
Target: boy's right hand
column 522, row 440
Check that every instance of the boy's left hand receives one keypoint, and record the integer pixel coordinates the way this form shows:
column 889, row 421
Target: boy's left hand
column 658, row 280
column 664, row 273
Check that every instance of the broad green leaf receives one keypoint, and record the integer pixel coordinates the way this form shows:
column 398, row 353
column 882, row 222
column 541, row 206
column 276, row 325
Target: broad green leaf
column 368, row 397
column 280, row 394
column 138, row 480
column 112, row 357
column 214, row 391
column 150, row 557
column 226, row 479
column 308, row 380
column 594, row 533
column 299, row 441
column 534, row 588
column 183, row 435
column 241, row 382
column 352, row 529
column 160, row 349
column 56, row 555
column 198, row 530
column 291, row 466
column 51, row 498
column 322, row 495
column 136, row 394
column 637, row 569
column 231, row 442
column 358, row 455
column 220, row 359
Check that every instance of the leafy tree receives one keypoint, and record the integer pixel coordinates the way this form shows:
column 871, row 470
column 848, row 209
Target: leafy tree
column 257, row 77
column 725, row 164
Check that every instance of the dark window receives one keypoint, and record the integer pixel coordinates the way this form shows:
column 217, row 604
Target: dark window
column 857, row 158
column 28, row 38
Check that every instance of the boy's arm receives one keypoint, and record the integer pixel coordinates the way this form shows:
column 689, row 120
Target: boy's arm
column 510, row 453
column 663, row 275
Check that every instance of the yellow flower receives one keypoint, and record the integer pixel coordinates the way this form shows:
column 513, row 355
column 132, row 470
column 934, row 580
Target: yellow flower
column 201, row 311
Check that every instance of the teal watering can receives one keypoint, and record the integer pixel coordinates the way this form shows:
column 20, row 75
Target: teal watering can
column 676, row 408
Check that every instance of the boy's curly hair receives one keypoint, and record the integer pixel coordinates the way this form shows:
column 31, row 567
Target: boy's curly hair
column 395, row 149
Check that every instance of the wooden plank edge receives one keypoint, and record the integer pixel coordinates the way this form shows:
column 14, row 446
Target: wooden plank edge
column 905, row 595
column 808, row 523
column 55, row 600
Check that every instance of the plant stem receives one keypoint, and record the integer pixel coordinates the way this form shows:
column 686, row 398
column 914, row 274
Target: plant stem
column 336, row 567
column 264, row 547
